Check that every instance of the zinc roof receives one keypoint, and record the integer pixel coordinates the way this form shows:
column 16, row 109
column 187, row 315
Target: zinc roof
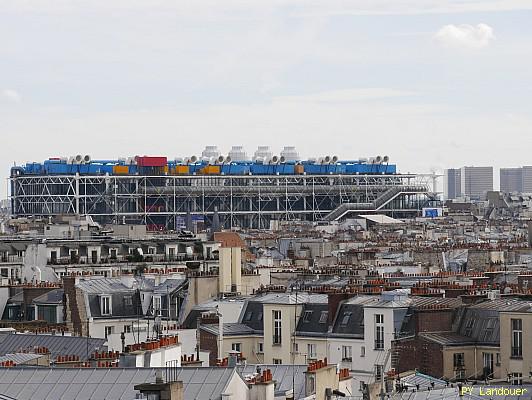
column 106, row 384
column 56, row 344
column 102, row 285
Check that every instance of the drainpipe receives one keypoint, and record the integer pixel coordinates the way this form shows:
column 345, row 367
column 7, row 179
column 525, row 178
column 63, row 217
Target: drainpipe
column 220, row 333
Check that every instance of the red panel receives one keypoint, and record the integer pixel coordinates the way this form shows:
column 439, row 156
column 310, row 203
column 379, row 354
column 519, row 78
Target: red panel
column 152, row 161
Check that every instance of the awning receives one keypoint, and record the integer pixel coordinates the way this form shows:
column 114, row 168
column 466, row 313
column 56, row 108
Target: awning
column 19, row 246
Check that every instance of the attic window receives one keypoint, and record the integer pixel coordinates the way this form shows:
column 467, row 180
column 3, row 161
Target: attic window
column 248, row 316
column 345, row 319
column 469, row 326
column 323, row 317
column 307, row 316
column 105, row 305
column 128, row 300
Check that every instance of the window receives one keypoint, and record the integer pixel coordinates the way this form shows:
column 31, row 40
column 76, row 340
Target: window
column 458, row 360
column 362, row 351
column 311, row 351
column 487, row 359
column 127, row 329
column 248, row 316
column 113, row 253
column 260, row 348
column 378, row 372
column 105, row 305
column 311, row 383
column 156, row 305
column 324, row 316
column 236, row 347
column 469, row 327
column 276, row 327
column 128, row 300
column 307, row 316
column 517, row 338
column 277, row 361
column 295, row 348
column 379, row 331
column 345, row 318
column 488, row 330
column 516, row 378
column 109, row 330
column 347, row 353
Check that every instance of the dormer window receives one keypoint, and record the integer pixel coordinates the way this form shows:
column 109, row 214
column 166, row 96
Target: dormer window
column 157, row 305
column 105, row 305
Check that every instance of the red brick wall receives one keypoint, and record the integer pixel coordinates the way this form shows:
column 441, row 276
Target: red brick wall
column 209, row 342
column 416, row 353
column 434, row 321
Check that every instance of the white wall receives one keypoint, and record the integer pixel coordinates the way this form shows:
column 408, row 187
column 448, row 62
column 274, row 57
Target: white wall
column 35, row 268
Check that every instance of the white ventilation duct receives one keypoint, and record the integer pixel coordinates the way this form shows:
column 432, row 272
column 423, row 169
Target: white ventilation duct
column 209, row 153
column 238, row 153
column 290, row 154
column 262, row 154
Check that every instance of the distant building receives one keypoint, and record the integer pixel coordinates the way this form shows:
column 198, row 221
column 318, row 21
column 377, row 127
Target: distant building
column 511, row 180
column 451, row 183
column 516, row 180
column 527, row 179
column 476, row 181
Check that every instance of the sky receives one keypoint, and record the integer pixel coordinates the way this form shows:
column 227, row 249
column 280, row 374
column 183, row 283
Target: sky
column 430, row 83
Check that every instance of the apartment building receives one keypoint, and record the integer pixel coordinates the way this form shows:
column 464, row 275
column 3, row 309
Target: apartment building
column 355, row 333
column 516, row 346
column 466, row 344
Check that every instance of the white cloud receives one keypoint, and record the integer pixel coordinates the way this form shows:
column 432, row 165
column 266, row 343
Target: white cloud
column 207, row 9
column 465, row 36
column 11, row 95
column 346, row 95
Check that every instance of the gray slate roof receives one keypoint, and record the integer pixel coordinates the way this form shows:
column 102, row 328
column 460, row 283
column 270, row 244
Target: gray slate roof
column 54, row 296
column 20, row 358
column 56, row 344
column 452, row 393
column 283, row 375
column 103, row 286
column 106, row 384
column 230, row 329
column 168, row 286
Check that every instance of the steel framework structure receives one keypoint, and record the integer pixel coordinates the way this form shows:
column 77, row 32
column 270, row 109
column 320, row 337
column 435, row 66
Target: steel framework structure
column 249, row 201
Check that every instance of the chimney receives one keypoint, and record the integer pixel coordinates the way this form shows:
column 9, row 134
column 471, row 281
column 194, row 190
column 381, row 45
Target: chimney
column 320, row 379
column 263, row 387
column 162, row 391
column 333, row 302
